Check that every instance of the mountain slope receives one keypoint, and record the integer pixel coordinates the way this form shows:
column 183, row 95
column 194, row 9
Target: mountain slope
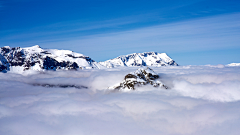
column 35, row 58
column 140, row 59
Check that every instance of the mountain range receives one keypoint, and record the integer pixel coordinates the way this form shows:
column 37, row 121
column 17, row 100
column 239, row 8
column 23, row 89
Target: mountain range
column 19, row 59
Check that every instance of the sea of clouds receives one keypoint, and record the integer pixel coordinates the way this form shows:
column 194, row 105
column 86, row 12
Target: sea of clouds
column 200, row 100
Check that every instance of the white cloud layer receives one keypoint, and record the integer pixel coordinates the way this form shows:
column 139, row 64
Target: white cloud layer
column 201, row 100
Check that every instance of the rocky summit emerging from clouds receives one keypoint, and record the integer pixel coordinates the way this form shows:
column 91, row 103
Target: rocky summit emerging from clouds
column 35, row 58
column 138, row 78
column 140, row 59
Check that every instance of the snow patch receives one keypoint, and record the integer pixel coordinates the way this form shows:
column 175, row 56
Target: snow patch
column 233, row 64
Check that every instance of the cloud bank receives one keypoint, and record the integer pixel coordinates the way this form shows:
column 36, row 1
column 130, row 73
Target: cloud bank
column 201, row 100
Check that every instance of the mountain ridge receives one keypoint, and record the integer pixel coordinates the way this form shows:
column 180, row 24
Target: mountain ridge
column 36, row 58
column 19, row 59
column 140, row 59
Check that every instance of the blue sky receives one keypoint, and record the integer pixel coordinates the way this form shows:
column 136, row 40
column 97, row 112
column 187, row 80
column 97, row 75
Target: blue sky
column 192, row 32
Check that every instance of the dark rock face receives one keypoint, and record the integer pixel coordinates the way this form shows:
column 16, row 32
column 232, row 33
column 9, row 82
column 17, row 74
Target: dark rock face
column 138, row 78
column 172, row 63
column 83, row 57
column 4, row 65
column 60, row 86
column 17, row 58
column 3, row 68
column 14, row 56
column 52, row 64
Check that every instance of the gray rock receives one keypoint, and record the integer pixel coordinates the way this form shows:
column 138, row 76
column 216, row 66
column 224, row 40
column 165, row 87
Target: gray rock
column 138, row 78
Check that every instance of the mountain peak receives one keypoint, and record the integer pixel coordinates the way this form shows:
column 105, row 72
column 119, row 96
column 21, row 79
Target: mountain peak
column 35, row 58
column 140, row 59
column 36, row 46
column 8, row 47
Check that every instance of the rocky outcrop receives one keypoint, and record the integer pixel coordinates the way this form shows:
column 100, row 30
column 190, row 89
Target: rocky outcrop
column 52, row 64
column 138, row 78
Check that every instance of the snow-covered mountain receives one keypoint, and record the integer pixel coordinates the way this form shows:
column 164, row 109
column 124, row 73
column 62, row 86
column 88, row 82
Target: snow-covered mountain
column 138, row 78
column 140, row 59
column 35, row 58
column 233, row 64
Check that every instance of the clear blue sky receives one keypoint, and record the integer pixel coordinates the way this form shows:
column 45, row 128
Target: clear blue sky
column 192, row 32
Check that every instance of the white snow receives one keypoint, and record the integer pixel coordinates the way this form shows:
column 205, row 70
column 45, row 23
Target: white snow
column 140, row 59
column 38, row 54
column 16, row 69
column 234, row 64
column 62, row 55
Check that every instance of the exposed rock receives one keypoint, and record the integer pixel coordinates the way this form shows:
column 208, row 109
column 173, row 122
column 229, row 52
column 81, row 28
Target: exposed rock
column 138, row 78
column 52, row 64
column 60, row 86
column 3, row 68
